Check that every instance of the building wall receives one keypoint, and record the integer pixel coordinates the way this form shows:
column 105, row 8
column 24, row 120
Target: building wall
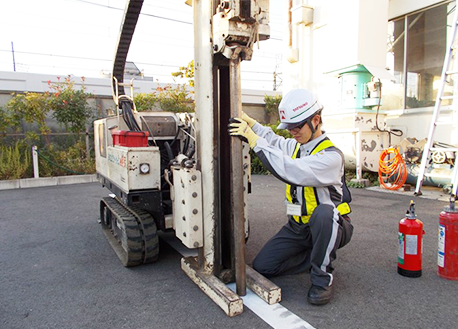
column 345, row 33
column 342, row 34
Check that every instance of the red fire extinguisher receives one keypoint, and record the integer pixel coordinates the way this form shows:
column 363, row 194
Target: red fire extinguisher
column 410, row 244
column 447, row 259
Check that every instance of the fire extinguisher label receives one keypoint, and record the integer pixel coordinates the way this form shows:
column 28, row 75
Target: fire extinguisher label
column 411, row 244
column 401, row 248
column 441, row 253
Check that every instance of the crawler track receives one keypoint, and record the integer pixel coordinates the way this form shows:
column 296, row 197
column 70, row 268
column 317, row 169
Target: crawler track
column 131, row 232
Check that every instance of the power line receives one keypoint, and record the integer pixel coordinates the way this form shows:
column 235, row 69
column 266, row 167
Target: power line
column 65, row 56
column 107, row 60
column 167, row 8
column 84, row 58
column 145, row 14
column 27, row 66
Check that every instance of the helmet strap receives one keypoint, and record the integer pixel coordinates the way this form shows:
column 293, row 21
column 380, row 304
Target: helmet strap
column 309, row 122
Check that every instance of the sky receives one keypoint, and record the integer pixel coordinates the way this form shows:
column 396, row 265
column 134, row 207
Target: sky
column 78, row 37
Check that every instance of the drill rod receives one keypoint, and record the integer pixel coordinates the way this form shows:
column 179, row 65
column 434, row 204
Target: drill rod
column 237, row 199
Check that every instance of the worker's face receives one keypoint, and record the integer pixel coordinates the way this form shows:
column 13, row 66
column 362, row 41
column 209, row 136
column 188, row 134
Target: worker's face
column 303, row 134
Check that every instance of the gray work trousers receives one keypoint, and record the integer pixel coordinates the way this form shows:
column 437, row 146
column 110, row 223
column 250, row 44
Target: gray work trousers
column 297, row 248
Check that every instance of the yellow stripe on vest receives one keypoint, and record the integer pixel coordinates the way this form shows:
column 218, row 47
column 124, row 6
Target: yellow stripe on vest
column 311, row 201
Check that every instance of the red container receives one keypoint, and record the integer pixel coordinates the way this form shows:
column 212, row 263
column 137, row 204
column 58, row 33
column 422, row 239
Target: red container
column 447, row 259
column 130, row 138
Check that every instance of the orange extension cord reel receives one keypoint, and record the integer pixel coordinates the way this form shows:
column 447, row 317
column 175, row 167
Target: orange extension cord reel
column 392, row 173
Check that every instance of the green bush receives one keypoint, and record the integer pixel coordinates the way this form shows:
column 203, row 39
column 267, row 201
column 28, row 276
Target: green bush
column 4, row 121
column 15, row 162
column 272, row 102
column 351, row 174
column 54, row 161
column 28, row 107
column 256, row 165
column 171, row 99
column 71, row 110
column 145, row 102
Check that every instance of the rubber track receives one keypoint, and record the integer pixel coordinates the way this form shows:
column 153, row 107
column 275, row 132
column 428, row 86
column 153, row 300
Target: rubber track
column 149, row 234
column 139, row 242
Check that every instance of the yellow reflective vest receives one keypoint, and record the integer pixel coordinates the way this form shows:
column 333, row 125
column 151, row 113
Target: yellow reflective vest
column 310, row 199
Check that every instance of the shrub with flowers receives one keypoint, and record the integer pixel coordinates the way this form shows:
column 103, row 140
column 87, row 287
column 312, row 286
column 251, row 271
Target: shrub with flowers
column 71, row 110
column 69, row 106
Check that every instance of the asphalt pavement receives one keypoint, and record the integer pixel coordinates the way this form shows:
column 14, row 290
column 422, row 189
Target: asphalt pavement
column 58, row 271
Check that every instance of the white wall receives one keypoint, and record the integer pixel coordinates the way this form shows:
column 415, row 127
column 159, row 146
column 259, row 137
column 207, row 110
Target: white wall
column 343, row 33
column 350, row 32
column 416, row 123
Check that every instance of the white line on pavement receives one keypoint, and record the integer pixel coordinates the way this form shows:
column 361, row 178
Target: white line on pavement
column 277, row 316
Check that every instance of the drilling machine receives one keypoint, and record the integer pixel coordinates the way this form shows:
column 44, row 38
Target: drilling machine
column 183, row 172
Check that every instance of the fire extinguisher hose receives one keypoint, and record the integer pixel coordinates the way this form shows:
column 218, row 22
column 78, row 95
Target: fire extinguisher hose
column 392, row 173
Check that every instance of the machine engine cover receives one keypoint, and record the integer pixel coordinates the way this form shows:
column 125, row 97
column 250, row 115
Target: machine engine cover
column 134, row 168
column 164, row 125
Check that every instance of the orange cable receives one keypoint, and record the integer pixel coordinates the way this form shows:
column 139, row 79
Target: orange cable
column 392, row 173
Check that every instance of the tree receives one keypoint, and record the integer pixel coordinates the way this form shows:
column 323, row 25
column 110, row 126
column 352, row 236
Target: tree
column 272, row 103
column 170, row 98
column 69, row 106
column 186, row 72
column 29, row 107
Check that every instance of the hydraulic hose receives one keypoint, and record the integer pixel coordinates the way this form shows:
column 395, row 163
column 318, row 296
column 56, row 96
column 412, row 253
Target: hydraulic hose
column 392, row 173
column 129, row 117
column 169, row 151
column 186, row 143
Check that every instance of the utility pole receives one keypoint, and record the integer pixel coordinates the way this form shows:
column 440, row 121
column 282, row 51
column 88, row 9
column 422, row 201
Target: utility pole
column 14, row 62
column 277, row 74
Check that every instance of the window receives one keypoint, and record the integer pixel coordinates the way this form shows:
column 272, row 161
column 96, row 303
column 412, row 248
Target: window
column 416, row 57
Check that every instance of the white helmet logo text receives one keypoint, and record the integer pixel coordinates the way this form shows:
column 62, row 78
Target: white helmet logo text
column 300, row 106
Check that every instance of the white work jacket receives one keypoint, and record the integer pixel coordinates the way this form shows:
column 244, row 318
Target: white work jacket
column 323, row 170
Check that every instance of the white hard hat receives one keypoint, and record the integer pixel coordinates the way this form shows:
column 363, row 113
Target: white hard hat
column 297, row 106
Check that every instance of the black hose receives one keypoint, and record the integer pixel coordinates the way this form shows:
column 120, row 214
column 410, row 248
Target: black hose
column 169, row 151
column 176, row 136
column 186, row 143
column 128, row 116
column 192, row 150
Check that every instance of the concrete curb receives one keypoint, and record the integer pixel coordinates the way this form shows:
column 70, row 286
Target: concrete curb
column 46, row 181
column 428, row 192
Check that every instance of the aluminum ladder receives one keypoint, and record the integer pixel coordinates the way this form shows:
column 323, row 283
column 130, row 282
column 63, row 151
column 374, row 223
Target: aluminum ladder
column 428, row 148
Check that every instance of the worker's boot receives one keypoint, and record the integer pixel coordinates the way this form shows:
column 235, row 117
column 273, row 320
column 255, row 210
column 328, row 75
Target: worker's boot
column 318, row 295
